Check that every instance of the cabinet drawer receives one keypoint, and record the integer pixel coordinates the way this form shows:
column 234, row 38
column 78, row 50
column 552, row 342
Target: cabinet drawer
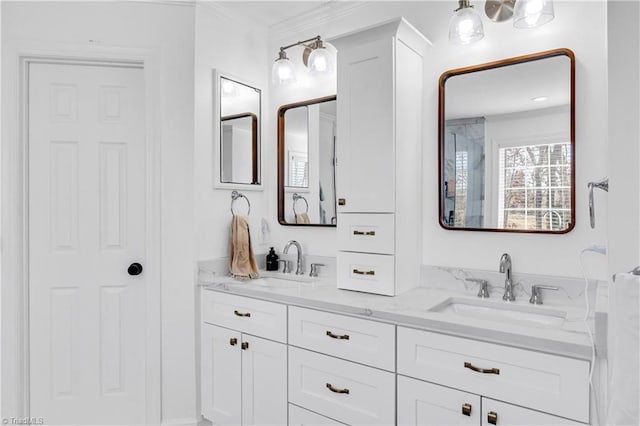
column 371, row 273
column 301, row 417
column 252, row 316
column 342, row 390
column 367, row 233
column 364, row 341
column 511, row 415
column 549, row 383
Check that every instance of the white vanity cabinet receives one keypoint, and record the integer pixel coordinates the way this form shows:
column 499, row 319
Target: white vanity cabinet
column 242, row 375
column 342, row 367
column 426, row 404
column 270, row 363
column 378, row 150
column 549, row 383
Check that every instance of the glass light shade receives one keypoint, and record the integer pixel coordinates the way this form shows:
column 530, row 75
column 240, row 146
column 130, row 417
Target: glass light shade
column 466, row 26
column 320, row 62
column 283, row 72
column 532, row 13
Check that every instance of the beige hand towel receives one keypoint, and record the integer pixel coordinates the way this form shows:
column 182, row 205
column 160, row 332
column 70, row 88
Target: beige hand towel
column 302, row 218
column 242, row 263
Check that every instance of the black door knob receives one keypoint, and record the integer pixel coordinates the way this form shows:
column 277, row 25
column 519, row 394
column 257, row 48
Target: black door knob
column 135, row 269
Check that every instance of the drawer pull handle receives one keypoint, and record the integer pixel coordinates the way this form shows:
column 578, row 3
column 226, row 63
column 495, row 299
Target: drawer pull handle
column 332, row 389
column 233, row 341
column 466, row 409
column 481, row 370
column 368, row 233
column 359, row 272
column 244, row 346
column 492, row 418
column 337, row 336
column 342, row 201
column 242, row 314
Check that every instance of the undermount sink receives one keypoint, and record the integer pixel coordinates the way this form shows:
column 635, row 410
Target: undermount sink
column 507, row 313
column 277, row 280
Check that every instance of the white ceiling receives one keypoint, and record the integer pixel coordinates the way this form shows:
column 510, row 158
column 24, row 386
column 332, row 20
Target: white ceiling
column 270, row 13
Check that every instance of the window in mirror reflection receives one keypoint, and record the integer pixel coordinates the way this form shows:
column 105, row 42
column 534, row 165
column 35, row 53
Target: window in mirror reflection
column 297, row 137
column 506, row 153
column 306, row 149
column 239, row 133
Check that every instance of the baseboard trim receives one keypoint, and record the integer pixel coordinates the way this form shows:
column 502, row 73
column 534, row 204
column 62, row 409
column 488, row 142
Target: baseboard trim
column 180, row 422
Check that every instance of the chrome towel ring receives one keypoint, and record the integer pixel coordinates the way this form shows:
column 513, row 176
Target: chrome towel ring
column 297, row 197
column 234, row 196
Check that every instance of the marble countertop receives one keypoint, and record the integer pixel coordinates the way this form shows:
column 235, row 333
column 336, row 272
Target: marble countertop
column 413, row 309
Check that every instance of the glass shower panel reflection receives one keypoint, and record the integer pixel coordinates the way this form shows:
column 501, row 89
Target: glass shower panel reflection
column 464, row 173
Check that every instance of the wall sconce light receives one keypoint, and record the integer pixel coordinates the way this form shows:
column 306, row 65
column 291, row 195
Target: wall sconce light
column 315, row 57
column 466, row 25
column 532, row 13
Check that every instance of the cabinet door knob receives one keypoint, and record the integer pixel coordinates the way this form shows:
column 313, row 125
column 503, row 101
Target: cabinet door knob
column 342, row 201
column 244, row 345
column 233, row 341
column 466, row 409
column 242, row 314
column 336, row 390
column 492, row 418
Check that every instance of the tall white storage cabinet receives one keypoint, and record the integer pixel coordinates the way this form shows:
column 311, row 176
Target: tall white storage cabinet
column 378, row 171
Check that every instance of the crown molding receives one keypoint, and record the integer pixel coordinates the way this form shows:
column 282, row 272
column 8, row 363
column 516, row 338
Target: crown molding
column 186, row 3
column 306, row 21
column 220, row 10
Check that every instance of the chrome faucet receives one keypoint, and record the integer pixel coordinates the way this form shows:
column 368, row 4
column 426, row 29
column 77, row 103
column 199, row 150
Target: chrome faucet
column 299, row 269
column 505, row 267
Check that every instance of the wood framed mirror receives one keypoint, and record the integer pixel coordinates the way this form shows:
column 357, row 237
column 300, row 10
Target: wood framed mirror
column 239, row 149
column 507, row 145
column 306, row 163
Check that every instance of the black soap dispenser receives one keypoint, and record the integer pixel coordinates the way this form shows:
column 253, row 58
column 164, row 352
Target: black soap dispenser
column 272, row 260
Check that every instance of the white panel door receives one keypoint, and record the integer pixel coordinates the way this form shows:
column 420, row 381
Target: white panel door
column 86, row 226
column 264, row 383
column 365, row 143
column 221, row 381
column 425, row 404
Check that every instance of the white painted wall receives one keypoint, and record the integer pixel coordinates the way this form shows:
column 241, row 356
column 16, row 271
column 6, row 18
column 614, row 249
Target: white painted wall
column 168, row 31
column 623, row 136
column 237, row 47
column 553, row 254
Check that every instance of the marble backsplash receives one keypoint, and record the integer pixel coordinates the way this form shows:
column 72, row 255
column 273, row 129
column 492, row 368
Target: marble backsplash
column 571, row 290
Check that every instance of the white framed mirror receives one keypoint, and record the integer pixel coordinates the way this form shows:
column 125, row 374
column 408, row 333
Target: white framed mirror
column 237, row 133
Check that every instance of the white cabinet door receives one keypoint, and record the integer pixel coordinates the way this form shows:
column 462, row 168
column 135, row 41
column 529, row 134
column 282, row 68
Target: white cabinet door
column 365, row 144
column 301, row 417
column 264, row 382
column 422, row 403
column 500, row 413
column 221, row 386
